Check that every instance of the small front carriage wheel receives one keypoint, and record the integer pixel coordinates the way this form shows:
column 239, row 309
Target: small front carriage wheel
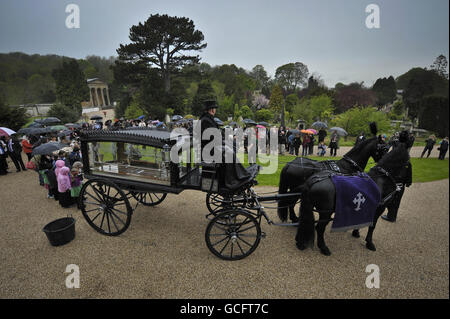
column 233, row 234
column 105, row 207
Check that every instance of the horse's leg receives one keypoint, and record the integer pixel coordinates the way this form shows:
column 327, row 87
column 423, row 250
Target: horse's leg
column 305, row 230
column 369, row 242
column 320, row 229
column 355, row 233
column 292, row 215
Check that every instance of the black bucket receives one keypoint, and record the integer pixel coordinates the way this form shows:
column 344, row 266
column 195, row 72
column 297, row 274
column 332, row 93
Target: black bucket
column 60, row 231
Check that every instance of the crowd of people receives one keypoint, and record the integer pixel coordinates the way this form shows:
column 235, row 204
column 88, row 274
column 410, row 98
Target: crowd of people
column 291, row 140
column 60, row 173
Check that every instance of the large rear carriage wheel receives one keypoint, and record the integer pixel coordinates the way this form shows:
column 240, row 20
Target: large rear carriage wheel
column 105, row 207
column 149, row 199
column 233, row 234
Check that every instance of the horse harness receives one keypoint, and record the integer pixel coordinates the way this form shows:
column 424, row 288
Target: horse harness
column 398, row 186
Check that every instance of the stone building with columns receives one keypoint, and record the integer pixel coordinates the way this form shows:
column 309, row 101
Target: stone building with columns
column 99, row 94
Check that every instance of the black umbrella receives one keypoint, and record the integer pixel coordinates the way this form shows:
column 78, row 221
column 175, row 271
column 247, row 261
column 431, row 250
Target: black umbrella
column 264, row 123
column 64, row 133
column 176, row 118
column 96, row 117
column 25, row 130
column 249, row 122
column 49, row 121
column 35, row 124
column 73, row 125
column 47, row 148
column 339, row 130
column 39, row 130
column 319, row 125
column 218, row 121
column 232, row 123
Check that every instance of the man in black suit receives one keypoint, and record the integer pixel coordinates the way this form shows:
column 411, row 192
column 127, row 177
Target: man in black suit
column 207, row 121
column 14, row 151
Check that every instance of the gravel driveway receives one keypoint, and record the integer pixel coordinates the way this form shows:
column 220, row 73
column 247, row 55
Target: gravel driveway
column 163, row 253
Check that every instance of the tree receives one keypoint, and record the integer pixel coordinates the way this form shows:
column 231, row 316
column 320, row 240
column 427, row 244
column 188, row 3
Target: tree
column 161, row 41
column 421, row 84
column 276, row 100
column 292, row 75
column 64, row 112
column 246, row 112
column 133, row 111
column 71, row 86
column 205, row 92
column 354, row 94
column 440, row 66
column 12, row 117
column 321, row 107
column 260, row 101
column 355, row 120
column 385, row 90
column 260, row 75
column 434, row 116
column 263, row 115
column 291, row 101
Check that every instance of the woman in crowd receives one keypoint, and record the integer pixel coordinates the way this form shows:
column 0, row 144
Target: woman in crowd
column 27, row 147
column 64, row 186
column 305, row 144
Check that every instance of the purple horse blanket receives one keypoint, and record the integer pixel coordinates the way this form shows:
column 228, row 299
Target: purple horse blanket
column 357, row 198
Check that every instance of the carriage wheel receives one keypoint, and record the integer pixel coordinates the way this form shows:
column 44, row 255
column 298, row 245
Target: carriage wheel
column 233, row 234
column 105, row 207
column 216, row 202
column 149, row 199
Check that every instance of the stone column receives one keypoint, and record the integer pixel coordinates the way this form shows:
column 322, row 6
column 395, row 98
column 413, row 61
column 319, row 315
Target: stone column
column 107, row 96
column 91, row 98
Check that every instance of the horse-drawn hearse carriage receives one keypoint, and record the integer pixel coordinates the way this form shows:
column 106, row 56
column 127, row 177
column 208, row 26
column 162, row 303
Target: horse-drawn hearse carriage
column 121, row 165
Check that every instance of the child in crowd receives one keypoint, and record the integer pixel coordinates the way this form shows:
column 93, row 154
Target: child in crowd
column 58, row 165
column 322, row 149
column 64, row 186
column 76, row 181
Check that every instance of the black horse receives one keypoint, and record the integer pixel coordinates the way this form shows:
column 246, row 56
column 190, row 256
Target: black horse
column 319, row 193
column 295, row 173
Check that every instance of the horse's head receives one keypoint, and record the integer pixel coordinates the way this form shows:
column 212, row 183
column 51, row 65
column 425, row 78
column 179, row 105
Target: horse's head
column 380, row 149
column 393, row 168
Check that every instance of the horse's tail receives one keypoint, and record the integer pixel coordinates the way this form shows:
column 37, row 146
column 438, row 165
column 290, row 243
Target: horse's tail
column 305, row 231
column 283, row 189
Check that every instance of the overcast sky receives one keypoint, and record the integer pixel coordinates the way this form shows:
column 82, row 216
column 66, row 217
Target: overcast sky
column 329, row 36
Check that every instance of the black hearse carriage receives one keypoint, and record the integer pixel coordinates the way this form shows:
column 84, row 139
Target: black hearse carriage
column 120, row 165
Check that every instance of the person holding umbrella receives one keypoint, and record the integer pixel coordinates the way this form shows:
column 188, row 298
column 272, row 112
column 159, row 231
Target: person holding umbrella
column 322, row 135
column 333, row 143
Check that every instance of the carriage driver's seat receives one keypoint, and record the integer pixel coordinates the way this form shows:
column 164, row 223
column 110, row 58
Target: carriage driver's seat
column 228, row 177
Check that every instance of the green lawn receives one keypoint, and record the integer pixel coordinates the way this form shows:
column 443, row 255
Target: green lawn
column 424, row 169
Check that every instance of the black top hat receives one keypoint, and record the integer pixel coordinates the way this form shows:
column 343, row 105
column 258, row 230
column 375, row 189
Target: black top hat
column 210, row 104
